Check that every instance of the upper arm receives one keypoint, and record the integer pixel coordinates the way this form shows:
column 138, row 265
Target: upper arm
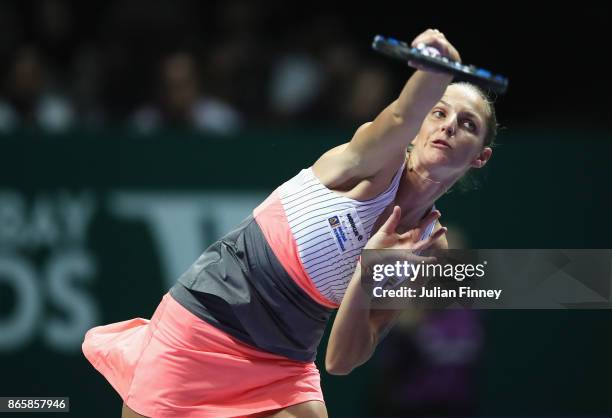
column 337, row 167
column 384, row 140
column 375, row 149
column 379, row 147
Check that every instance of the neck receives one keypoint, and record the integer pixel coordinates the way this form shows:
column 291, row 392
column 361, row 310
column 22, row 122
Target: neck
column 418, row 191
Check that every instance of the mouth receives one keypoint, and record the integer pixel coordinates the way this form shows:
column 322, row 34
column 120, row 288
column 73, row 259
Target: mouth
column 441, row 143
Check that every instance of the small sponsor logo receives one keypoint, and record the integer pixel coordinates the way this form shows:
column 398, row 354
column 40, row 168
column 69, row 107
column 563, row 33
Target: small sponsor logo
column 340, row 240
column 338, row 231
column 354, row 227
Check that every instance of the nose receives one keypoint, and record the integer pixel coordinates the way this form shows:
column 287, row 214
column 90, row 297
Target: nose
column 450, row 126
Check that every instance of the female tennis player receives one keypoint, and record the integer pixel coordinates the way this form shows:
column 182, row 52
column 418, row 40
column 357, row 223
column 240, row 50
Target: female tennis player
column 238, row 333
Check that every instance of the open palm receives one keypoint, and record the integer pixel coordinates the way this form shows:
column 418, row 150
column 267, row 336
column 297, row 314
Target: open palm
column 387, row 238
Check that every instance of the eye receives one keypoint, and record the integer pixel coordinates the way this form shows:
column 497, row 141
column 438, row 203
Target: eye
column 438, row 113
column 470, row 125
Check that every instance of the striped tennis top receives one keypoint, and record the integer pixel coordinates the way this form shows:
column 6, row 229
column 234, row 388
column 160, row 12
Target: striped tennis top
column 318, row 234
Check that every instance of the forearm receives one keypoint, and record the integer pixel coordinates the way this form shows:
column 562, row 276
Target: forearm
column 358, row 328
column 378, row 144
column 397, row 125
column 353, row 338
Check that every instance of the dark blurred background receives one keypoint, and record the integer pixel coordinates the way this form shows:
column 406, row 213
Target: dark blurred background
column 134, row 133
column 239, row 64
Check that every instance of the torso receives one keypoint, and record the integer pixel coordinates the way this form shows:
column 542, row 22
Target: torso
column 297, row 253
column 368, row 188
column 329, row 228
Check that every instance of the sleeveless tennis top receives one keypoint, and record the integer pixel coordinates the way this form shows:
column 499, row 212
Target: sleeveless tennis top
column 274, row 281
column 329, row 230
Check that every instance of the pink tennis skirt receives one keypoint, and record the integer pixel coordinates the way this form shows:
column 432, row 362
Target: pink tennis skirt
column 177, row 365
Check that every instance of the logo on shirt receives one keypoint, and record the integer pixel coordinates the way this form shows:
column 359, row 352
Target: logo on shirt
column 347, row 230
column 336, row 227
column 354, row 227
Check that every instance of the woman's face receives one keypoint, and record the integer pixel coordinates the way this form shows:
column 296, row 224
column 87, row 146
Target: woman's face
column 452, row 135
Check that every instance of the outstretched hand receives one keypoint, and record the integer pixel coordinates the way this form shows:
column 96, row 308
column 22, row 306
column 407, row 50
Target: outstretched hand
column 436, row 44
column 387, row 237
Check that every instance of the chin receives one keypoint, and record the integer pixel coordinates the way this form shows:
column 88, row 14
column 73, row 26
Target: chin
column 438, row 158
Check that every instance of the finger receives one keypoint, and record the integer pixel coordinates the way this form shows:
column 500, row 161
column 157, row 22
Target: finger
column 409, row 235
column 456, row 53
column 432, row 39
column 427, row 220
column 439, row 233
column 427, row 242
column 439, row 45
column 422, row 38
column 429, row 51
column 440, row 33
column 415, row 233
column 391, row 223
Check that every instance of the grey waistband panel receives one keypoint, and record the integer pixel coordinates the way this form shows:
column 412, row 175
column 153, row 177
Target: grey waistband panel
column 239, row 286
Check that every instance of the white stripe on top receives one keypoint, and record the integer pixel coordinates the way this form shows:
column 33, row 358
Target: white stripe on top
column 330, row 230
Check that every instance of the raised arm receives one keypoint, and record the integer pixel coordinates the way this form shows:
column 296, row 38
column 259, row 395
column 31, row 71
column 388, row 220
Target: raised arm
column 358, row 329
column 381, row 144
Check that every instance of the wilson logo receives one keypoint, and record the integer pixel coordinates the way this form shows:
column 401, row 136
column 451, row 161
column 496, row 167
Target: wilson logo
column 354, row 227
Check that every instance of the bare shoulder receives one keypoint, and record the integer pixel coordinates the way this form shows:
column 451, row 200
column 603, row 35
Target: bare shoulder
column 342, row 169
column 336, row 166
column 341, row 165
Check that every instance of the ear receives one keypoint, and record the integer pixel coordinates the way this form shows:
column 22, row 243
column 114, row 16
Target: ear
column 482, row 158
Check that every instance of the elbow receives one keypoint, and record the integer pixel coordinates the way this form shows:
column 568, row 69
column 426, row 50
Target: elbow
column 338, row 369
column 397, row 117
column 337, row 366
column 342, row 359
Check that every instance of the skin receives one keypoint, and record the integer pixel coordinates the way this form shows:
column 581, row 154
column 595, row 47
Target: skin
column 313, row 409
column 449, row 142
column 458, row 120
column 127, row 412
column 445, row 125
